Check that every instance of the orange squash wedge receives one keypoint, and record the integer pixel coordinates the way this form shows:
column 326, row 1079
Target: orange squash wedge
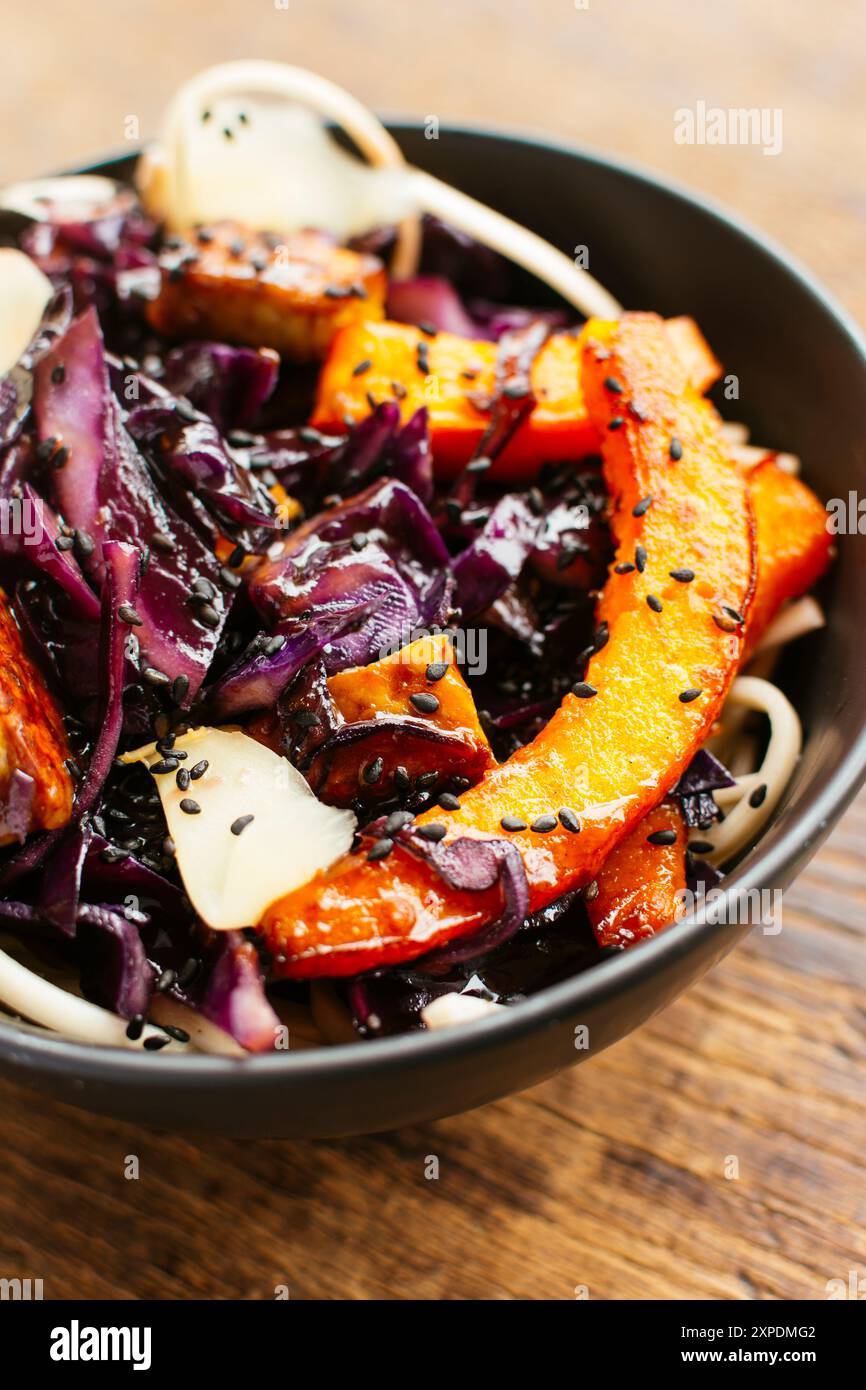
column 794, row 543
column 454, row 377
column 640, row 880
column 615, row 747
column 33, row 743
column 380, row 764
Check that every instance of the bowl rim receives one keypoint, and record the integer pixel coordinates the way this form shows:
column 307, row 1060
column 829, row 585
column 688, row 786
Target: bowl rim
column 588, row 989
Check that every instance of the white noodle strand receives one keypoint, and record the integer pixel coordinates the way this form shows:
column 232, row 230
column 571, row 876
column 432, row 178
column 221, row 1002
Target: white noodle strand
column 309, row 89
column 24, row 992
column 744, row 822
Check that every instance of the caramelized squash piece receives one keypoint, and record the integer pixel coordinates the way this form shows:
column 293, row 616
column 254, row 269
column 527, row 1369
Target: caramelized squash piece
column 617, row 745
column 639, row 881
column 364, row 695
column 291, row 293
column 454, row 378
column 33, row 743
column 794, row 542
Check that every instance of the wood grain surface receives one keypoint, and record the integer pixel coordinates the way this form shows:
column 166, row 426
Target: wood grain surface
column 719, row 1152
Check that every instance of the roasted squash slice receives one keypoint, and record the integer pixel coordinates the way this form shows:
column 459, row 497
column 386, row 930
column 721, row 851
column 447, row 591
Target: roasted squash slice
column 291, row 293
column 652, row 691
column 794, row 543
column 393, row 733
column 640, row 881
column 454, row 378
column 404, row 684
column 35, row 785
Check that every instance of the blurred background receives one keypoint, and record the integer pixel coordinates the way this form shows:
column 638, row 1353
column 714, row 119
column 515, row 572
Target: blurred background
column 617, row 1178
column 609, row 73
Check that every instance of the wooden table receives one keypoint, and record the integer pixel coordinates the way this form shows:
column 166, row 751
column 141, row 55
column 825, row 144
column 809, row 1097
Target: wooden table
column 612, row 1176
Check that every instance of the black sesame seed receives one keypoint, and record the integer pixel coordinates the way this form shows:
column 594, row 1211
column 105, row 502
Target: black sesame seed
column 733, row 614
column 208, row 615
column 398, row 820
column 84, row 544
column 512, row 823
column 662, row 837
column 239, row 826
column 373, row 771
column 127, row 614
column 237, row 557
column 58, row 374
column 700, row 847
column 189, row 807
column 155, row 1044
column 758, row 796
column 380, row 849
column 429, row 329
column 188, row 971
column 613, row 385
column 449, row 802
column 362, row 367
column 359, row 540
column 135, row 1027
column 424, row 702
column 435, row 831
column 168, row 764
column 306, row 718
column 427, row 779
column 724, row 623
column 568, row 820
column 654, row 603
column 675, row 449
column 436, row 670
column 180, row 688
column 616, row 423
column 165, row 981
column 683, row 576
column 686, row 696
column 624, row 567
column 583, row 690
column 601, row 637
column 182, row 778
column 642, row 507
column 543, row 823
column 179, row 1034
column 160, row 541
column 640, row 558
column 46, row 449
column 199, row 769
column 155, row 677
column 402, row 780
column 60, row 458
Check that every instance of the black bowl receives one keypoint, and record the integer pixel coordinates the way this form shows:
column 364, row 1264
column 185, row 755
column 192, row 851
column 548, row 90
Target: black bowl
column 801, row 367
